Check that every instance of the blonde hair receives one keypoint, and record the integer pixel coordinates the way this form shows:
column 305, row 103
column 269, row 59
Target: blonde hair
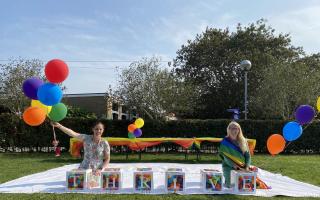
column 240, row 138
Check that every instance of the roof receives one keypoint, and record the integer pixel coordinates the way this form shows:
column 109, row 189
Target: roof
column 85, row 95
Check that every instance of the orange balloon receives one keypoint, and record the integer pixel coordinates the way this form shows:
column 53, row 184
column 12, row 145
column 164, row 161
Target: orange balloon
column 34, row 116
column 276, row 144
column 131, row 128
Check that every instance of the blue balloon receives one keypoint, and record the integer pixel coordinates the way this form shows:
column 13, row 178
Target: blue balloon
column 292, row 131
column 49, row 94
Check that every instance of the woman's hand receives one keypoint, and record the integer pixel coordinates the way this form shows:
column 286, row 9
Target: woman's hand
column 236, row 167
column 55, row 124
column 245, row 169
column 97, row 172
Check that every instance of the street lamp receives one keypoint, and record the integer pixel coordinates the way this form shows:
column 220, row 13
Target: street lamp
column 245, row 66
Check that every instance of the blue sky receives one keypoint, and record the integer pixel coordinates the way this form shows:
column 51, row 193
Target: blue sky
column 127, row 30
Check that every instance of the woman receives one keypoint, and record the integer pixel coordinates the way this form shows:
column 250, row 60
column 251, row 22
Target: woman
column 96, row 150
column 234, row 144
column 235, row 154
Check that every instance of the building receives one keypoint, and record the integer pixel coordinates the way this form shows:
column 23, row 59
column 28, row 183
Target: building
column 99, row 103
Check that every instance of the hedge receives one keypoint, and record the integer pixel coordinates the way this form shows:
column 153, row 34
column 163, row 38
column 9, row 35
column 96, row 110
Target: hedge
column 15, row 133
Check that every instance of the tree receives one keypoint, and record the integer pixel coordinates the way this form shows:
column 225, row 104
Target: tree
column 286, row 86
column 79, row 112
column 12, row 75
column 153, row 90
column 211, row 62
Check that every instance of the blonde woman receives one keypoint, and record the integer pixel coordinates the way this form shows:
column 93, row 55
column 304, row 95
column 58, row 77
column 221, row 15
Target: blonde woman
column 235, row 154
column 234, row 151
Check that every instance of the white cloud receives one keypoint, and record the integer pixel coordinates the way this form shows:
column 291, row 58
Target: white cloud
column 303, row 26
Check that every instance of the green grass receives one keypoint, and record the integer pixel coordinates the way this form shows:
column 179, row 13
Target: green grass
column 300, row 167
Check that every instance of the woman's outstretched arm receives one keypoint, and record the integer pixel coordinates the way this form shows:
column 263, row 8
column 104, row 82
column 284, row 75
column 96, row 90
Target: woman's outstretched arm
column 66, row 130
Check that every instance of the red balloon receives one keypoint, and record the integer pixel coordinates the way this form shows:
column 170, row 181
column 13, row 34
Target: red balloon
column 56, row 71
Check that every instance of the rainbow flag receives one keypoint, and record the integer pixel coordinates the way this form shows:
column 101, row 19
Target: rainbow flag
column 233, row 155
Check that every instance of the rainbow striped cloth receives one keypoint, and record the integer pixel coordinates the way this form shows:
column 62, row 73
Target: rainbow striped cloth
column 233, row 156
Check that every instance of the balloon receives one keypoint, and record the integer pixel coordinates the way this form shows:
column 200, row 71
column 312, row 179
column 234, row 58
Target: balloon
column 56, row 71
column 318, row 104
column 49, row 94
column 304, row 114
column 292, row 131
column 131, row 128
column 36, row 103
column 130, row 135
column 34, row 116
column 139, row 123
column 275, row 144
column 30, row 87
column 58, row 112
column 137, row 132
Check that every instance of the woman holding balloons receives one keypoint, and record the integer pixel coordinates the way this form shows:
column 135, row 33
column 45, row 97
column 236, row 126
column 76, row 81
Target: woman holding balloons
column 46, row 99
column 96, row 150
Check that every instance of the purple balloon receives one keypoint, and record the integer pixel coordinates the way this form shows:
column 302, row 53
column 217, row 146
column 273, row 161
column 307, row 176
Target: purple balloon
column 30, row 87
column 137, row 132
column 305, row 114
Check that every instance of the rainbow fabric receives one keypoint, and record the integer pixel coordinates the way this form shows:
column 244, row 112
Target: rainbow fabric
column 137, row 144
column 233, row 155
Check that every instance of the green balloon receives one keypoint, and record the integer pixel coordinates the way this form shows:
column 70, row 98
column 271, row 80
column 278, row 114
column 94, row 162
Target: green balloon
column 58, row 112
column 131, row 135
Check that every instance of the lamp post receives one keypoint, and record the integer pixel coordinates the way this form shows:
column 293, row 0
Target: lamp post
column 245, row 66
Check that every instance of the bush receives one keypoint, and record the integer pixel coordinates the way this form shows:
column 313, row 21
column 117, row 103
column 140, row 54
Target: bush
column 15, row 133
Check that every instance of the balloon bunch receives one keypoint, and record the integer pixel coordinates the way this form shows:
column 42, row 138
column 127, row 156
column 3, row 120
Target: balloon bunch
column 304, row 114
column 46, row 97
column 134, row 129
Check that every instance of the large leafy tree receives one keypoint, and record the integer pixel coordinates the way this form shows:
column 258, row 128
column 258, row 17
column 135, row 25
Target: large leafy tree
column 211, row 62
column 12, row 75
column 285, row 86
column 152, row 90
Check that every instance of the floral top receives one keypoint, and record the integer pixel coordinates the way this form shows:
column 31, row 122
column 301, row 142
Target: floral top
column 93, row 153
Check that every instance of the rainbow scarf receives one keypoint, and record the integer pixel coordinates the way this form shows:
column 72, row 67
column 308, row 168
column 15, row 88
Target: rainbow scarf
column 233, row 155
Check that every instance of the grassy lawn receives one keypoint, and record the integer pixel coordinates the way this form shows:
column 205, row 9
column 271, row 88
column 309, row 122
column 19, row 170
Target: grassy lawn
column 300, row 167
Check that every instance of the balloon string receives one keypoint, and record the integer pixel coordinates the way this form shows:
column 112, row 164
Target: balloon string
column 307, row 126
column 54, row 133
column 286, row 145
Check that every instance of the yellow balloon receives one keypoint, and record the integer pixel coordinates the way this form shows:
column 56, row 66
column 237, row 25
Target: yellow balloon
column 318, row 104
column 139, row 123
column 36, row 103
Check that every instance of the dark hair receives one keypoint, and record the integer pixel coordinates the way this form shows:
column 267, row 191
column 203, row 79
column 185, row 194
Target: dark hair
column 97, row 122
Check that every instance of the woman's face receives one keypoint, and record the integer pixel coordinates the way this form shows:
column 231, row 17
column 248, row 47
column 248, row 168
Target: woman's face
column 98, row 130
column 234, row 131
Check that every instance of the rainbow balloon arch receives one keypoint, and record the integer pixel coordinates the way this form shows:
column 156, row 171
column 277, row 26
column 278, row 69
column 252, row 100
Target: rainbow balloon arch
column 138, row 144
